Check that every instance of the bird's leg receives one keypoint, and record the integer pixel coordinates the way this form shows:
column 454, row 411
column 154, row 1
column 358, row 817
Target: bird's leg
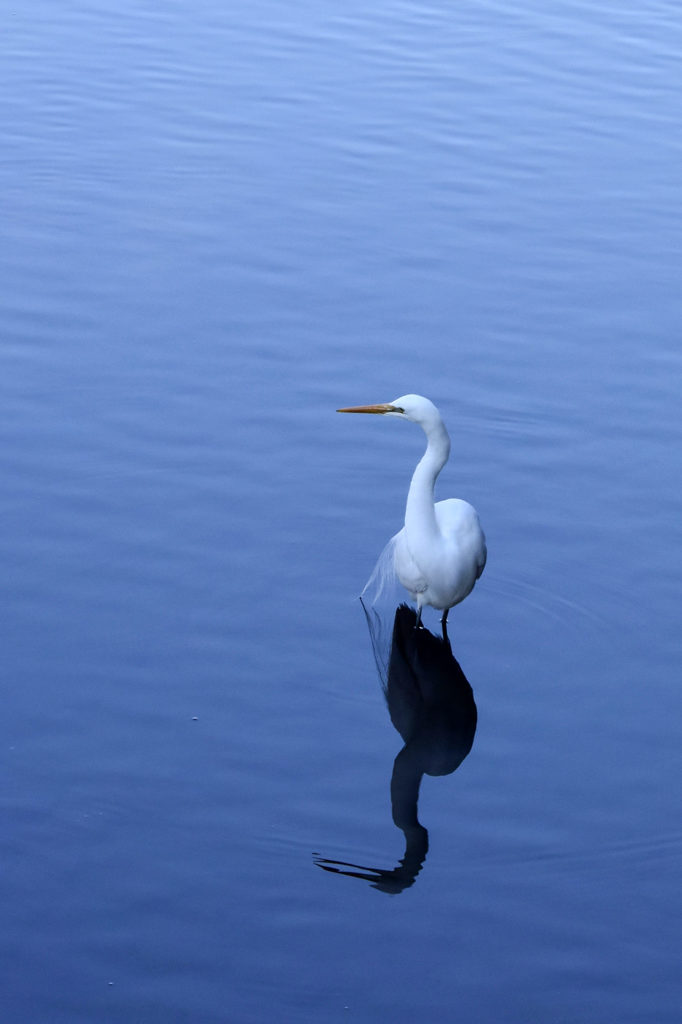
column 444, row 623
column 419, row 617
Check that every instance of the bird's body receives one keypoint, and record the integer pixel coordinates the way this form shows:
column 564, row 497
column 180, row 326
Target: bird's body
column 447, row 576
column 440, row 551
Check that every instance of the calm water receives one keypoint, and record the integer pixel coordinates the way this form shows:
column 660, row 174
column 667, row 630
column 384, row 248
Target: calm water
column 221, row 222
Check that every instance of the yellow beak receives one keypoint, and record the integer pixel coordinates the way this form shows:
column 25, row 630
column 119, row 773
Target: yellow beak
column 379, row 409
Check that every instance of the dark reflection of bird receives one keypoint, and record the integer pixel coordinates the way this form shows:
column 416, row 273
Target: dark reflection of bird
column 432, row 706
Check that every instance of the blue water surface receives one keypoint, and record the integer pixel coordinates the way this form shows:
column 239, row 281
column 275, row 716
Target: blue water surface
column 221, row 222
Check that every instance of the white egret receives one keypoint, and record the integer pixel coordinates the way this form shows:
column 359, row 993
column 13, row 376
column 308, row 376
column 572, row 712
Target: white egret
column 440, row 552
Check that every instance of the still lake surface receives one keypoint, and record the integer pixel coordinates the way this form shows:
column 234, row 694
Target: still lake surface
column 220, row 223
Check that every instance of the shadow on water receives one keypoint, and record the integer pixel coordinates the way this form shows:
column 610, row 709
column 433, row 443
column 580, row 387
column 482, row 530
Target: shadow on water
column 432, row 706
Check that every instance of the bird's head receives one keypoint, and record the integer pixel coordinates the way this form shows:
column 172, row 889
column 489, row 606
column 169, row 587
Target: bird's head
column 415, row 408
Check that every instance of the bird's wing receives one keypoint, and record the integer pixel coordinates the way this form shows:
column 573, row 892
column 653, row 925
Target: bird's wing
column 406, row 569
column 459, row 520
column 481, row 562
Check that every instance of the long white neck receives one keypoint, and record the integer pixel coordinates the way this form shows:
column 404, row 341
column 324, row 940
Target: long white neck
column 420, row 515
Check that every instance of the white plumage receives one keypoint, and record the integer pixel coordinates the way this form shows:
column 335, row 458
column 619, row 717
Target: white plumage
column 440, row 551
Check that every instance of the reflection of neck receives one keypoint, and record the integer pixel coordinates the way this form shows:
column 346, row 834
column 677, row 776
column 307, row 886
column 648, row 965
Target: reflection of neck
column 405, row 782
column 420, row 515
column 416, row 848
